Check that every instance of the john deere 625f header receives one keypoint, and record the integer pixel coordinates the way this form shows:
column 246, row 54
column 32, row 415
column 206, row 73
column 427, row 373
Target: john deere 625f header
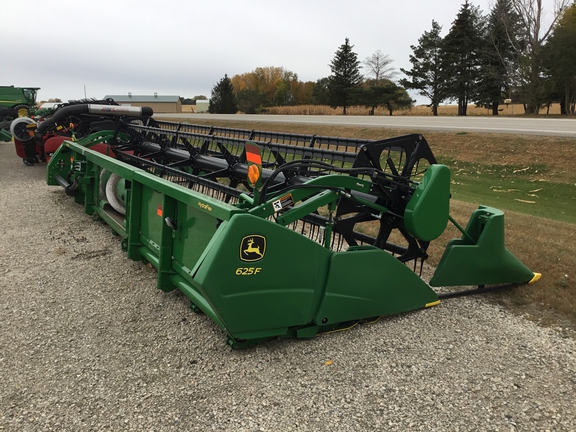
column 282, row 235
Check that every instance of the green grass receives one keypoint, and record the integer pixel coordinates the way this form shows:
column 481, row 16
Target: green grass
column 516, row 188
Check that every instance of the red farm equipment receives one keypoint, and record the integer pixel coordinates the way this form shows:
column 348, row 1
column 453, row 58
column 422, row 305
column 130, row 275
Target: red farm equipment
column 37, row 139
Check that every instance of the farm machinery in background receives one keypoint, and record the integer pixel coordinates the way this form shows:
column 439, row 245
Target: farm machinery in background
column 37, row 138
column 17, row 101
column 275, row 235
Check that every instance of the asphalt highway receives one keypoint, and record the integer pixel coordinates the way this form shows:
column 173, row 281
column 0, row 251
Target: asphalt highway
column 506, row 125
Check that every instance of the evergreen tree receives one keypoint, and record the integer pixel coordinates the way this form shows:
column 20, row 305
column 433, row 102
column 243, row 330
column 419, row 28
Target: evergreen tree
column 343, row 83
column 384, row 93
column 426, row 74
column 251, row 101
column 400, row 100
column 462, row 56
column 223, row 100
column 561, row 55
column 499, row 59
column 381, row 90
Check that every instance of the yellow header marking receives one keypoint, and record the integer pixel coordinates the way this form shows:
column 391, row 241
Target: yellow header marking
column 204, row 206
column 437, row 302
column 536, row 278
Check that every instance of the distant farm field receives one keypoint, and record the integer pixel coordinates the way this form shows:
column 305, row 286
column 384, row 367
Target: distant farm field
column 532, row 178
column 420, row 110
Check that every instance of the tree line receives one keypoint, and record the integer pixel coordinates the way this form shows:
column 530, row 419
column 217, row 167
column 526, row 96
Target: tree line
column 512, row 54
column 253, row 92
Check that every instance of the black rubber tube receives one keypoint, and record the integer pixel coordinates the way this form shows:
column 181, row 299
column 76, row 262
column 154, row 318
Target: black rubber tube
column 58, row 116
column 104, row 110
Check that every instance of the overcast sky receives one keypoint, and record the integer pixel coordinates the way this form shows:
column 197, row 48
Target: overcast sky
column 184, row 47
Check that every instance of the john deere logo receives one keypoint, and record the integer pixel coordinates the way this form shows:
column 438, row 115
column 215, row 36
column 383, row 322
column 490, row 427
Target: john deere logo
column 252, row 248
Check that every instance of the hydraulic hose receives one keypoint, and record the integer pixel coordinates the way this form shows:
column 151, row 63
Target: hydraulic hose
column 104, row 110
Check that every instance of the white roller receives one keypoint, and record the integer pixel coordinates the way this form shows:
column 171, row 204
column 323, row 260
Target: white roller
column 112, row 196
column 104, row 176
column 21, row 133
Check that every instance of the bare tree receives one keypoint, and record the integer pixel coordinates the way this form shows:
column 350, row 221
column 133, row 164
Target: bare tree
column 535, row 27
column 533, row 15
column 378, row 66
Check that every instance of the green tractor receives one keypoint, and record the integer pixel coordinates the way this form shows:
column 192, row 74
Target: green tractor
column 16, row 101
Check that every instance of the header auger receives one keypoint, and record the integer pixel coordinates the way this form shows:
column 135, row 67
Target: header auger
column 276, row 235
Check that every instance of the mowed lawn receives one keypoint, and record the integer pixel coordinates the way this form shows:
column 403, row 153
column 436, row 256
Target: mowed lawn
column 532, row 178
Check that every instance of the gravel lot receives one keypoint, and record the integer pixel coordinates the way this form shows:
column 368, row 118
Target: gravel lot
column 88, row 343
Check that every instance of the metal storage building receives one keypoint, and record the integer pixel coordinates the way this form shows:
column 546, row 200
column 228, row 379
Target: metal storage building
column 202, row 106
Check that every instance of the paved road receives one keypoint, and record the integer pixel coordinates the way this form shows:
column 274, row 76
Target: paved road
column 508, row 125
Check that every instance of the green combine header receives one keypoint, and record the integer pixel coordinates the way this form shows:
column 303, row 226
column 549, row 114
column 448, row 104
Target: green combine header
column 279, row 235
column 16, row 101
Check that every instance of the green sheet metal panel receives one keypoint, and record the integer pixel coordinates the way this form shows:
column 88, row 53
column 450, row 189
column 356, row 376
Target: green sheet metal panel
column 195, row 229
column 151, row 219
column 262, row 278
column 485, row 262
column 5, row 135
column 368, row 282
column 427, row 211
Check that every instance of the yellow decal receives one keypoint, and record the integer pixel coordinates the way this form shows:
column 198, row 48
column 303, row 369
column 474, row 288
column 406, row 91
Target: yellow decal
column 252, row 248
column 437, row 302
column 536, row 278
column 204, row 206
column 248, row 271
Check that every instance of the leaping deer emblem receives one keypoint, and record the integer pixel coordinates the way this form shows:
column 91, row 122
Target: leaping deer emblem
column 252, row 249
